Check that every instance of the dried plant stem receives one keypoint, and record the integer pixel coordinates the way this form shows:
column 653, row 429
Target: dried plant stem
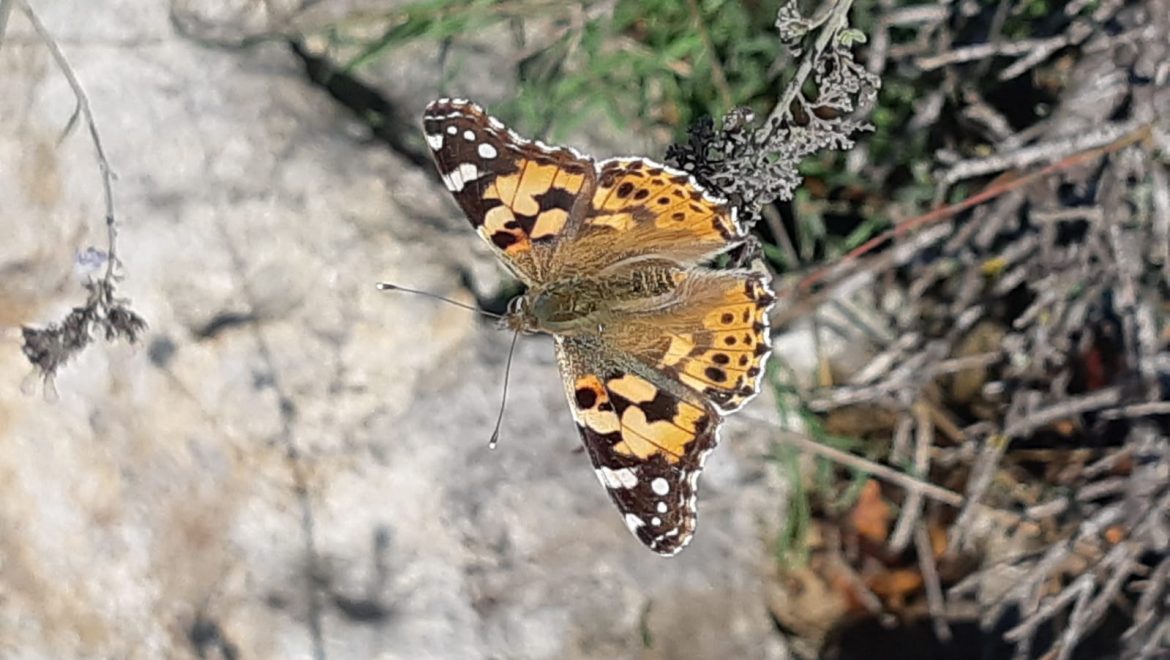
column 889, row 474
column 1028, row 156
column 991, row 192
column 985, row 50
column 50, row 347
column 85, row 112
column 1069, row 408
column 934, row 594
column 908, row 520
column 836, row 18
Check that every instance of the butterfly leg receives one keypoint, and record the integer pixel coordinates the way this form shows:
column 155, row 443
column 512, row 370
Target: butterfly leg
column 747, row 252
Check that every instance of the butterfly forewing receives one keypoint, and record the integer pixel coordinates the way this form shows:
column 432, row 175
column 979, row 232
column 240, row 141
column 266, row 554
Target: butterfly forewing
column 518, row 194
column 642, row 208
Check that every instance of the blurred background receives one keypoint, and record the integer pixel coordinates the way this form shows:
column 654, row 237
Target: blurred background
column 287, row 463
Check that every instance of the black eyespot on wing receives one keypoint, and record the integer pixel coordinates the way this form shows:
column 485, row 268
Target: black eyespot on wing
column 586, row 398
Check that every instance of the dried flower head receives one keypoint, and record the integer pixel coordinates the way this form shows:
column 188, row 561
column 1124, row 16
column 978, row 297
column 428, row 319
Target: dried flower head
column 754, row 165
column 51, row 347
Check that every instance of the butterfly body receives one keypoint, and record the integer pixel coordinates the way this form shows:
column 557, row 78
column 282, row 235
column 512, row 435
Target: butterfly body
column 581, row 305
column 653, row 346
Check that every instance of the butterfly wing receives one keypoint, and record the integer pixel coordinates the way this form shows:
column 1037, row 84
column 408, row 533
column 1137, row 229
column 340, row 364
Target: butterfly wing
column 647, row 443
column 649, row 393
column 519, row 195
column 527, row 200
column 712, row 335
column 640, row 208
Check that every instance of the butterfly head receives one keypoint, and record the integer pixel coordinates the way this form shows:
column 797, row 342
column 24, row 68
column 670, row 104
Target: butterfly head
column 554, row 310
column 519, row 315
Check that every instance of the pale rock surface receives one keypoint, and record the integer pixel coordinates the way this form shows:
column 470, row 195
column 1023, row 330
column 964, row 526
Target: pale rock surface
column 313, row 482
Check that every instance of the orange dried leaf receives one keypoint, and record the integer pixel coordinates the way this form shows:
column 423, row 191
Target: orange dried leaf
column 871, row 515
column 938, row 539
column 895, row 584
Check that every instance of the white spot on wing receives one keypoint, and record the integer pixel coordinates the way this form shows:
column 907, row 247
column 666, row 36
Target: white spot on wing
column 661, row 507
column 451, row 130
column 620, row 478
column 656, row 521
column 627, row 477
column 634, row 522
column 469, row 135
column 660, row 486
column 486, row 151
column 435, row 141
column 468, row 172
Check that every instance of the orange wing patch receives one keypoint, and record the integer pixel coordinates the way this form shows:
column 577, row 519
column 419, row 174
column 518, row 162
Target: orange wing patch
column 636, row 193
column 531, row 205
column 725, row 360
column 593, row 407
column 518, row 194
column 652, row 421
column 643, row 420
column 536, row 203
column 657, row 210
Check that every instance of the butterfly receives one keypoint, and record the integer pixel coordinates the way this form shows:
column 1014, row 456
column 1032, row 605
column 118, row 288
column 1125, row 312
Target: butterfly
column 654, row 347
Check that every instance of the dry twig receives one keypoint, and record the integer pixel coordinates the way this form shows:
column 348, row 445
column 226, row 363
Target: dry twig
column 50, row 347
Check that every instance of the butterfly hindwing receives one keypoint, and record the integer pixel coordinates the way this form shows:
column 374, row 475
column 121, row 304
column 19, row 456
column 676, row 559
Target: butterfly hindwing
column 518, row 194
column 647, row 444
column 705, row 329
column 717, row 339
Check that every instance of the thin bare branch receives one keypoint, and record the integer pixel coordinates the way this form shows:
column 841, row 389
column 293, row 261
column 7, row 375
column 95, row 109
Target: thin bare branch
column 934, row 594
column 869, row 467
column 908, row 519
column 87, row 114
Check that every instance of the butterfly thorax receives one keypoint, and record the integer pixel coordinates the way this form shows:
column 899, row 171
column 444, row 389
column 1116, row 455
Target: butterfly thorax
column 579, row 305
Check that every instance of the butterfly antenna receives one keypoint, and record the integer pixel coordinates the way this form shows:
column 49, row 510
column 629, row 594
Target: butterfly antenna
column 495, row 439
column 386, row 286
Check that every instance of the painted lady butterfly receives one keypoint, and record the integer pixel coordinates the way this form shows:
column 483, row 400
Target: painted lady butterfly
column 653, row 347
